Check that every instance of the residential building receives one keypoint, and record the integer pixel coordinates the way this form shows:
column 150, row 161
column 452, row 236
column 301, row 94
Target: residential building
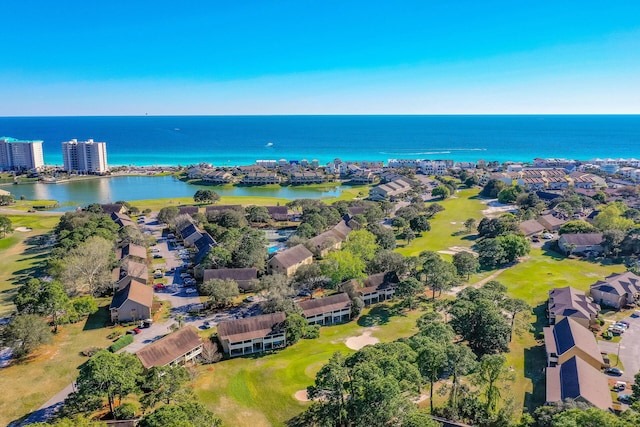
column 110, row 208
column 261, row 178
column 328, row 310
column 389, row 190
column 85, row 156
column 203, row 245
column 568, row 338
column 378, row 287
column 253, row 334
column 570, row 302
column 578, row 380
column 581, row 243
column 307, row 177
column 131, row 302
column 187, row 210
column 190, row 233
column 20, row 155
column 246, row 278
column 617, row 290
column 218, row 177
column 289, row 260
column 531, row 227
column 550, row 222
column 364, row 176
column 122, row 220
column 325, row 242
column 177, row 348
column 137, row 270
column 220, row 208
column 131, row 250
column 278, row 213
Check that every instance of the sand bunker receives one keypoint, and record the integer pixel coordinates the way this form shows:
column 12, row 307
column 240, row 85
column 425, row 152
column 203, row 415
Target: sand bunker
column 456, row 249
column 301, row 395
column 356, row 343
column 23, row 229
column 496, row 208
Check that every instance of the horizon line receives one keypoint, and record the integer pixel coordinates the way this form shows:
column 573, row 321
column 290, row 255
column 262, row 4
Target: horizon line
column 333, row 115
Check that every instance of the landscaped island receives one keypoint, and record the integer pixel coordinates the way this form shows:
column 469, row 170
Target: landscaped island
column 414, row 299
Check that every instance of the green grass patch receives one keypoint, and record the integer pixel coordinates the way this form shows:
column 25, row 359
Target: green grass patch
column 615, row 361
column 23, row 254
column 446, row 226
column 533, row 278
column 259, row 391
column 52, row 368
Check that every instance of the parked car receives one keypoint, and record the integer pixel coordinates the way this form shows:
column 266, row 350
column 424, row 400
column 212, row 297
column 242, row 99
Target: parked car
column 155, row 250
column 157, row 256
column 614, row 371
column 192, row 291
column 134, row 331
column 624, row 398
column 625, row 323
column 547, row 236
column 620, row 385
column 159, row 286
column 207, row 325
column 615, row 330
column 184, row 275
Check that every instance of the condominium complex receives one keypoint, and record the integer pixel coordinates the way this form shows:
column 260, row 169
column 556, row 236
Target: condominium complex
column 85, row 156
column 16, row 154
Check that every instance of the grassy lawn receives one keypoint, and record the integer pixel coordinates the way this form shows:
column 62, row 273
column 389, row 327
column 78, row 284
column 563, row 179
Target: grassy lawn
column 446, row 225
column 30, row 384
column 21, row 255
column 544, row 270
column 157, row 204
column 25, row 205
column 259, row 391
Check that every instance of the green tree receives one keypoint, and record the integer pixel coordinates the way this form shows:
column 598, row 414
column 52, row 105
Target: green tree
column 514, row 246
column 509, row 194
column 362, row 244
column 221, row 293
column 441, row 191
column 206, row 196
column 481, row 323
column 432, row 361
column 408, row 234
column 342, row 265
column 385, row 237
column 460, row 362
column 54, row 301
column 419, row 418
column 24, row 334
column 466, row 263
column 5, row 225
column 168, row 214
column 388, row 260
column 420, row 223
column 399, row 223
column 330, row 386
column 491, row 371
column 188, row 414
column 492, row 188
column 258, row 214
column 164, row 384
column 251, row 251
column 514, row 306
column 611, row 218
column 438, row 274
column 490, row 253
column 576, row 227
column 588, row 417
column 110, row 375
column 470, row 224
column 295, row 326
column 409, row 289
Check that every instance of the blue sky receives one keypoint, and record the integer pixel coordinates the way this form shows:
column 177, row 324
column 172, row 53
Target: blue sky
column 319, row 57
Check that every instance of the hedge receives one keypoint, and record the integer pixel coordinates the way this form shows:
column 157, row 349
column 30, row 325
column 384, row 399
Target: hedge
column 121, row 342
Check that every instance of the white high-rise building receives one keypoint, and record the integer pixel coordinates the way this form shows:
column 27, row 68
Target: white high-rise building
column 16, row 154
column 85, row 156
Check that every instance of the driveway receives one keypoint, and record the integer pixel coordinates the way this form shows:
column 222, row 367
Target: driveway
column 628, row 348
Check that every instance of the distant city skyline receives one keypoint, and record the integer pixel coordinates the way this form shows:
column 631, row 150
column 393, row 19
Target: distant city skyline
column 291, row 57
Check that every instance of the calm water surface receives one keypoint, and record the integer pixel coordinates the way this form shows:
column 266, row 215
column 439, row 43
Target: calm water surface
column 107, row 190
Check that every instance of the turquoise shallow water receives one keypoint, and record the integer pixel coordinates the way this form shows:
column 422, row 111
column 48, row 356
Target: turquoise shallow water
column 229, row 140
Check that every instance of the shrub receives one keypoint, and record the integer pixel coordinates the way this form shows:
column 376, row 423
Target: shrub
column 121, row 342
column 126, row 411
column 311, row 332
column 90, row 351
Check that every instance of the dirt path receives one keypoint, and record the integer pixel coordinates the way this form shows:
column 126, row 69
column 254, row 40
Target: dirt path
column 455, row 290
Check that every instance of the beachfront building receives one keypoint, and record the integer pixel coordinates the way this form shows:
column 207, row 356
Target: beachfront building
column 218, row 177
column 85, row 156
column 261, row 178
column 254, row 334
column 19, row 155
column 177, row 348
column 307, row 177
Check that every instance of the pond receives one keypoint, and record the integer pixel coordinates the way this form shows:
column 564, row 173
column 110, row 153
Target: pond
column 76, row 193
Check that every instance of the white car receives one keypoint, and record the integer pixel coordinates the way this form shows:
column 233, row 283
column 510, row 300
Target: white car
column 192, row 291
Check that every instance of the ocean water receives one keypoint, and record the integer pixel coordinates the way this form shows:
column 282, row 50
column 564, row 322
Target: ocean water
column 235, row 140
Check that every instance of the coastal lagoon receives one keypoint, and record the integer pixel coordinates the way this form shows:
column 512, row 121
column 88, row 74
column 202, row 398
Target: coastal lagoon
column 72, row 194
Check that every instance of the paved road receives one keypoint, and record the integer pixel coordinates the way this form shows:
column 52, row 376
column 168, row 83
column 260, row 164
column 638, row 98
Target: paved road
column 628, row 348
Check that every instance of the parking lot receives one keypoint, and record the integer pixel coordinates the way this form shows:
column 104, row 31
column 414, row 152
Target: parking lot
column 628, row 349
